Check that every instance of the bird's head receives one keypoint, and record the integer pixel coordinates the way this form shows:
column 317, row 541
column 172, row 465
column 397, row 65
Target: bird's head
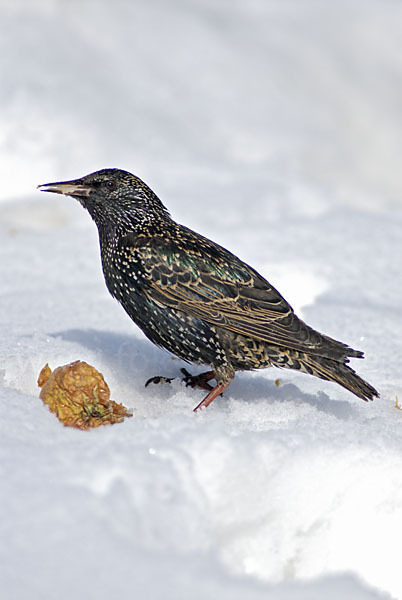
column 114, row 198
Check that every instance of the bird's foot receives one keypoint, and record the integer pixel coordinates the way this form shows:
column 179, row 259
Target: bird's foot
column 159, row 379
column 200, row 381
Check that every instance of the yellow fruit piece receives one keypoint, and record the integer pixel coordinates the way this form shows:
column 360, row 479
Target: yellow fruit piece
column 79, row 396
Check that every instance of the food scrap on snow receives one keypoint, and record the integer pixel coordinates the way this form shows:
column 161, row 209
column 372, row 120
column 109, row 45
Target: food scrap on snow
column 79, row 396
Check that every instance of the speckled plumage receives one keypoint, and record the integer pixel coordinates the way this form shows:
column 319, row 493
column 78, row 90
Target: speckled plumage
column 193, row 297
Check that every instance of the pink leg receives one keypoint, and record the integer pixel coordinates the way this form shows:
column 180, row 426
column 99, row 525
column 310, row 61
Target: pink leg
column 212, row 395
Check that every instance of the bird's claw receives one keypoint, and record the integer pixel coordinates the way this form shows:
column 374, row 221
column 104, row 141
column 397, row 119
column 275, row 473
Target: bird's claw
column 200, row 381
column 159, row 379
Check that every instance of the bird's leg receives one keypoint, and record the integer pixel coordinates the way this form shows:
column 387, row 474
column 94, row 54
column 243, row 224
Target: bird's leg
column 200, row 380
column 216, row 391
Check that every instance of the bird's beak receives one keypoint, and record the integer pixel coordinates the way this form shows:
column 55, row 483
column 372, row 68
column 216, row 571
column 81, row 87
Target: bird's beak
column 69, row 188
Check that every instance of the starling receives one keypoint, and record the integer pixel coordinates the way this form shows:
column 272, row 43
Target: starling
column 195, row 298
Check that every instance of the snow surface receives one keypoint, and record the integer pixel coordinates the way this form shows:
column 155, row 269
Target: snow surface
column 274, row 128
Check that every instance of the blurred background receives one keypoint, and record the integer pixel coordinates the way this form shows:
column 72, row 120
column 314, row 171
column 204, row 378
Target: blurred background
column 271, row 105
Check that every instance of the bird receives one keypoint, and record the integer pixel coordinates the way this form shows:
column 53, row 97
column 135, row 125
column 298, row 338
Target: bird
column 196, row 299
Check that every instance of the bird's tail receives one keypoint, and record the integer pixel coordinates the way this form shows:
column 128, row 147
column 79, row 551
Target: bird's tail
column 340, row 373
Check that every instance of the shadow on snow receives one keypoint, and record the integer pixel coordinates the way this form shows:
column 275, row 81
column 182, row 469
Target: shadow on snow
column 136, row 360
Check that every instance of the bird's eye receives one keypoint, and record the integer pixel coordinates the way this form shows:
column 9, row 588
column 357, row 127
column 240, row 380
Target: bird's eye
column 111, row 185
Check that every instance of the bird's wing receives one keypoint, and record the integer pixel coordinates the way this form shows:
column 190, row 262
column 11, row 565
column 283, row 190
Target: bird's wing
column 209, row 283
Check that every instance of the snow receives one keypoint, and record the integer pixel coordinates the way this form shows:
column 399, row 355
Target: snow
column 273, row 128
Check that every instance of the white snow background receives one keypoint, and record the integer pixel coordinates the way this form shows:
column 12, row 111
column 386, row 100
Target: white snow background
column 273, row 127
